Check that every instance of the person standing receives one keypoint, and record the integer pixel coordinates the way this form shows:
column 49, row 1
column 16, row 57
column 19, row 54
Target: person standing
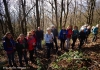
column 82, row 37
column 39, row 34
column 21, row 48
column 75, row 36
column 95, row 32
column 62, row 37
column 9, row 47
column 31, row 45
column 34, row 35
column 49, row 41
column 69, row 35
column 88, row 32
column 55, row 33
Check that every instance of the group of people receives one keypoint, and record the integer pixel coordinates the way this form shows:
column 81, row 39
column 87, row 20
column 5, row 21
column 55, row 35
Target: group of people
column 22, row 44
column 66, row 34
column 32, row 41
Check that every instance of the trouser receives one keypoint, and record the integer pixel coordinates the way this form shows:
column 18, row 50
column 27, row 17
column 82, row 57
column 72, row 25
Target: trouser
column 94, row 38
column 11, row 58
column 74, row 40
column 68, row 43
column 31, row 52
column 39, row 44
column 86, row 38
column 22, row 54
column 49, row 45
column 81, row 43
column 62, row 43
column 35, row 50
column 55, row 41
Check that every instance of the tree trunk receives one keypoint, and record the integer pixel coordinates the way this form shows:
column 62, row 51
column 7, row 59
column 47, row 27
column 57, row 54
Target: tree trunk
column 1, row 22
column 23, row 23
column 52, row 12
column 91, row 6
column 61, row 14
column 66, row 14
column 56, row 13
column 37, row 13
column 43, row 13
column 8, row 17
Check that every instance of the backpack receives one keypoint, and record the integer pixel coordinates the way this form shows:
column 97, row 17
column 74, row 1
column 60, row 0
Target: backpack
column 95, row 30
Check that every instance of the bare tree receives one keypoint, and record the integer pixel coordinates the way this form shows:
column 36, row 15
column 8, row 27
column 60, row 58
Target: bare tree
column 56, row 13
column 91, row 6
column 61, row 14
column 8, row 17
column 37, row 13
column 66, row 14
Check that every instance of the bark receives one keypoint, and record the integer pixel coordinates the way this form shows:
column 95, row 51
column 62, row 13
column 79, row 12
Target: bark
column 66, row 14
column 8, row 17
column 1, row 23
column 56, row 13
column 61, row 14
column 91, row 6
column 37, row 13
column 23, row 23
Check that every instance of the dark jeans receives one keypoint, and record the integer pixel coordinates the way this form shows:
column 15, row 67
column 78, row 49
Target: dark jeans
column 55, row 41
column 86, row 38
column 81, row 43
column 74, row 40
column 39, row 44
column 49, row 45
column 62, row 42
column 31, row 54
column 11, row 58
column 35, row 50
column 22, row 54
column 94, row 38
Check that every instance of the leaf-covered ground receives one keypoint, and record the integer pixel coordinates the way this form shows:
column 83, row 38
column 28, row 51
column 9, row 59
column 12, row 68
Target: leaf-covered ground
column 86, row 59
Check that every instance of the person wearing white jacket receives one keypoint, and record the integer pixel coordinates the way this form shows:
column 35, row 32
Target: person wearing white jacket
column 49, row 41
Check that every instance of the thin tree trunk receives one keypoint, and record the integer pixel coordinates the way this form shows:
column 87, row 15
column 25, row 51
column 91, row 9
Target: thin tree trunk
column 66, row 14
column 8, row 17
column 61, row 14
column 52, row 12
column 56, row 13
column 91, row 6
column 37, row 13
column 1, row 22
column 24, row 24
column 43, row 13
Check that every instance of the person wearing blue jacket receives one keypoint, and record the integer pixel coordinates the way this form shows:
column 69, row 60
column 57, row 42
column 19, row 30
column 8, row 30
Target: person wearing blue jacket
column 49, row 41
column 75, row 36
column 95, row 32
column 62, row 37
column 9, row 47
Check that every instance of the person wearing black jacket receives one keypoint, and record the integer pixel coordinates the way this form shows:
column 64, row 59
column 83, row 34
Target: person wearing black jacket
column 82, row 37
column 21, row 48
column 39, row 35
column 88, row 32
column 55, row 33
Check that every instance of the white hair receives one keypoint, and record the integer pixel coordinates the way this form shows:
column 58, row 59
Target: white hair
column 97, row 25
column 48, row 28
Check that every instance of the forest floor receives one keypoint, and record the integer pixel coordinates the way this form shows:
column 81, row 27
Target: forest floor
column 90, row 50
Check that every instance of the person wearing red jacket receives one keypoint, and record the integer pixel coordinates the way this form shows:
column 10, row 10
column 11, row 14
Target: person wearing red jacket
column 31, row 45
column 34, row 35
column 68, row 36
